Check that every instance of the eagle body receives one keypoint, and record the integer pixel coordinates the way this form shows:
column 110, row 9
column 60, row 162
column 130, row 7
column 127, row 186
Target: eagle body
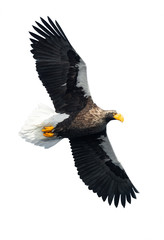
column 75, row 116
column 91, row 119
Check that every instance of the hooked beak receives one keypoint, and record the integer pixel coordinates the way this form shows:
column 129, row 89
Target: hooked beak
column 119, row 117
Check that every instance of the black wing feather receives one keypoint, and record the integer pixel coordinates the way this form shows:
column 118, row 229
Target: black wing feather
column 58, row 66
column 99, row 168
column 48, row 26
column 45, row 29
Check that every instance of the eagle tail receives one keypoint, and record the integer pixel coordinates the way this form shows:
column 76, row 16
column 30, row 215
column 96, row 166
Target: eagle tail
column 32, row 130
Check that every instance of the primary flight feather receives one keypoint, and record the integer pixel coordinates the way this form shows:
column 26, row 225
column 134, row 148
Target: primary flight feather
column 63, row 73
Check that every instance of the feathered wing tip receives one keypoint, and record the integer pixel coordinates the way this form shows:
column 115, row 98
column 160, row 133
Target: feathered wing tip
column 32, row 130
column 47, row 29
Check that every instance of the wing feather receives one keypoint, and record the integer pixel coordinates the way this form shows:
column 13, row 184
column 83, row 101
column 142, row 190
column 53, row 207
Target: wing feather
column 100, row 170
column 60, row 68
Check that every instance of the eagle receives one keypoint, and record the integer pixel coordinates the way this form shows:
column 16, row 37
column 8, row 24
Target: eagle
column 75, row 116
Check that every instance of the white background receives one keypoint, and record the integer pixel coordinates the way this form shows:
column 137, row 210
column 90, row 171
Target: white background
column 41, row 195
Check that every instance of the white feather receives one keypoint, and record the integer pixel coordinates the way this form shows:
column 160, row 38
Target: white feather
column 82, row 78
column 107, row 147
column 42, row 116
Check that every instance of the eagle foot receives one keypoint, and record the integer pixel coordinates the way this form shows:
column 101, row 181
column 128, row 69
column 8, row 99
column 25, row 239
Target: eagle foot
column 48, row 131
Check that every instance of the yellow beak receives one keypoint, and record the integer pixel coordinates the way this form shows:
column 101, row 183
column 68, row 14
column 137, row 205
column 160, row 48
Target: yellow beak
column 119, row 117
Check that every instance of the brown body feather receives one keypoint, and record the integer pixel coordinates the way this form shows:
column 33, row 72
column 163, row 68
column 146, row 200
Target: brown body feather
column 90, row 116
column 89, row 120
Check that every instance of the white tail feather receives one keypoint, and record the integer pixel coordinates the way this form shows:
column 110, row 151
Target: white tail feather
column 42, row 116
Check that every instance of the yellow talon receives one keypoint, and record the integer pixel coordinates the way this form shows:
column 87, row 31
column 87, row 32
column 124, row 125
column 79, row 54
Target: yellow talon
column 47, row 129
column 48, row 134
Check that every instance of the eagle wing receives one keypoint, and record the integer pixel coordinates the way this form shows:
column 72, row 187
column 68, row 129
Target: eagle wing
column 60, row 68
column 99, row 168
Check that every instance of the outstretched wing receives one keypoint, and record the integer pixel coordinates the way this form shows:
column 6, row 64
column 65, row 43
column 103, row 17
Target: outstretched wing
column 99, row 168
column 60, row 68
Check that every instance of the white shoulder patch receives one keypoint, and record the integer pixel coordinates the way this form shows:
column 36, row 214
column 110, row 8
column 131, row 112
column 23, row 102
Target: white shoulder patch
column 42, row 116
column 107, row 147
column 82, row 78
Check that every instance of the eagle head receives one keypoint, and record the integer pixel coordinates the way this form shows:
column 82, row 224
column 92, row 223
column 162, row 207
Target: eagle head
column 113, row 115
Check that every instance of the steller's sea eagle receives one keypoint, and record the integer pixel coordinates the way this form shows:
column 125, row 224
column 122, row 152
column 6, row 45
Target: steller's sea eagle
column 63, row 73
